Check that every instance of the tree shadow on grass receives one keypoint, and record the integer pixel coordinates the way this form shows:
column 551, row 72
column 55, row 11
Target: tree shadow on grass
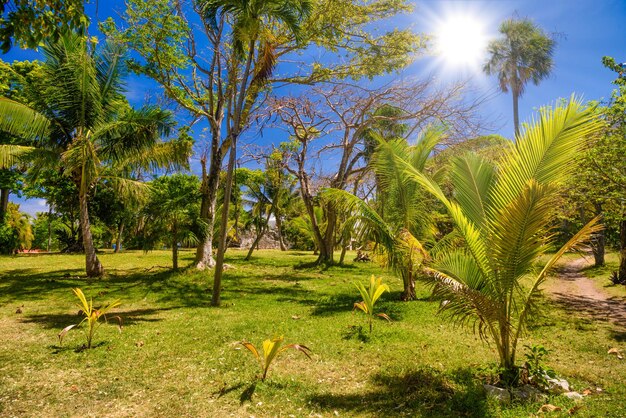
column 423, row 392
column 129, row 318
column 619, row 336
column 342, row 302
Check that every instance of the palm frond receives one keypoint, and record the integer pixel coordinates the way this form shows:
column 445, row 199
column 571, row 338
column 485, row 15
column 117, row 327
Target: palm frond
column 21, row 121
column 11, row 155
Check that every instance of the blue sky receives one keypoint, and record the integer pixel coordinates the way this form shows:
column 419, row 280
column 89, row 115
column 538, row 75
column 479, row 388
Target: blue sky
column 588, row 31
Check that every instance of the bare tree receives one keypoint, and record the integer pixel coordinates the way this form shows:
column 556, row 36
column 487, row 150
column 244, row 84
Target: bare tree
column 336, row 116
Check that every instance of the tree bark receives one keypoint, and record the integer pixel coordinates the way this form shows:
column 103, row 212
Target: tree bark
column 118, row 241
column 204, row 253
column 327, row 250
column 174, row 250
column 408, row 282
column 622, row 251
column 516, row 111
column 4, row 202
column 49, row 228
column 598, row 242
column 279, row 230
column 255, row 244
column 93, row 266
column 221, row 246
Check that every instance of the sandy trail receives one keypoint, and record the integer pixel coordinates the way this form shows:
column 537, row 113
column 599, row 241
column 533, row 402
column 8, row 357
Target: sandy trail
column 580, row 295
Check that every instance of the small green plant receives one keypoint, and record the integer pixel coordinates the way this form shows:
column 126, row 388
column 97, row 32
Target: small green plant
column 370, row 295
column 537, row 372
column 91, row 317
column 272, row 349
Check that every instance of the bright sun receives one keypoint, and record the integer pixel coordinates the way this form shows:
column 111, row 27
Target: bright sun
column 461, row 41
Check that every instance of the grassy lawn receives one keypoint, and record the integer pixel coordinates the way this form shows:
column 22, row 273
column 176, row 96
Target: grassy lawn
column 177, row 356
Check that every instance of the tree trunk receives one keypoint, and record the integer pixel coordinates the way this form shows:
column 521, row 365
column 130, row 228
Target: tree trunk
column 255, row 244
column 622, row 251
column 204, row 253
column 279, row 230
column 327, row 248
column 344, row 248
column 515, row 111
column 4, row 202
column 221, row 246
column 49, row 228
column 118, row 241
column 598, row 241
column 408, row 282
column 92, row 264
column 174, row 252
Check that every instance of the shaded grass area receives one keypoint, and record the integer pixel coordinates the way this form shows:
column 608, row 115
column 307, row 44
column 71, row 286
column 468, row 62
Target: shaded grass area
column 177, row 356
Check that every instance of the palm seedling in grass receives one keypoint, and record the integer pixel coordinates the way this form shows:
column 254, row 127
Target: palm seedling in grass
column 272, row 349
column 370, row 295
column 504, row 214
column 91, row 317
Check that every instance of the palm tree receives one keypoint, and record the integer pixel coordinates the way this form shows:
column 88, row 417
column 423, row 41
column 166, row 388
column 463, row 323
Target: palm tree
column 85, row 125
column 504, row 214
column 251, row 21
column 404, row 224
column 523, row 54
column 172, row 212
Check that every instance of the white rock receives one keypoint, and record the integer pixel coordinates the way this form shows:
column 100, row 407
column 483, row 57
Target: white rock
column 573, row 395
column 556, row 385
column 527, row 393
column 502, row 395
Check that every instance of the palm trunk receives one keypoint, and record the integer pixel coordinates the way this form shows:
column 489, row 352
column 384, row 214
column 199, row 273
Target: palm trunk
column 408, row 282
column 92, row 264
column 516, row 111
column 327, row 248
column 4, row 202
column 118, row 241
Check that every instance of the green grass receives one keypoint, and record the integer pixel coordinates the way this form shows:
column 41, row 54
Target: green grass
column 177, row 356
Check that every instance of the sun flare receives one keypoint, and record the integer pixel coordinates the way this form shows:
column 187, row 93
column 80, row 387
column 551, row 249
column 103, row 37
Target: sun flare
column 461, row 41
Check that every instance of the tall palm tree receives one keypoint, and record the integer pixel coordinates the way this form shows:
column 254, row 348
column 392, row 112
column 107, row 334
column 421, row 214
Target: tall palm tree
column 254, row 61
column 84, row 126
column 504, row 214
column 522, row 54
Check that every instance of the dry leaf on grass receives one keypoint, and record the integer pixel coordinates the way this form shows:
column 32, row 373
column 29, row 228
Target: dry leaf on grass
column 549, row 408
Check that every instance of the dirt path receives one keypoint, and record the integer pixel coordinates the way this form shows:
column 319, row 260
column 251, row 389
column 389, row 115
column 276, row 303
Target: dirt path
column 580, row 295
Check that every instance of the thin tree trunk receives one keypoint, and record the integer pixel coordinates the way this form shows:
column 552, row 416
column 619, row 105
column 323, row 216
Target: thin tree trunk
column 622, row 251
column 49, row 228
column 279, row 230
column 516, row 111
column 255, row 244
column 93, row 266
column 599, row 242
column 118, row 241
column 4, row 202
column 221, row 246
column 174, row 249
column 344, row 248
